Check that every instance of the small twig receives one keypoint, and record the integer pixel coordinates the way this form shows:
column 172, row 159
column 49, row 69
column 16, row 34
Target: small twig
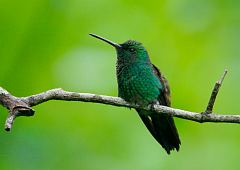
column 215, row 90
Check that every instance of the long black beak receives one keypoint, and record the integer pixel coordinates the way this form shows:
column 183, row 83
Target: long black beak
column 106, row 40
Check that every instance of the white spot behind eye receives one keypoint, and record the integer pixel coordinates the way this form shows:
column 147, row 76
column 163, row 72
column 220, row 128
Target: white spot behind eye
column 132, row 49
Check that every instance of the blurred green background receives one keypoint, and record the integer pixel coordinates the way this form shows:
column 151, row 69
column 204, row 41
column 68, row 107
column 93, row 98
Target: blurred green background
column 44, row 44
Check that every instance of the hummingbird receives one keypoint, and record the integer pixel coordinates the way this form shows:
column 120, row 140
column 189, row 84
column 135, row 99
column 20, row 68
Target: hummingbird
column 140, row 82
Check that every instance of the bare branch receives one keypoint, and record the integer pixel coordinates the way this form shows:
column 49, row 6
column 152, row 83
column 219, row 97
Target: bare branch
column 16, row 107
column 214, row 93
column 21, row 106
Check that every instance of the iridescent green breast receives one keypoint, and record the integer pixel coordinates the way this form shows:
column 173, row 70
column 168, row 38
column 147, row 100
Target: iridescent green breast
column 138, row 84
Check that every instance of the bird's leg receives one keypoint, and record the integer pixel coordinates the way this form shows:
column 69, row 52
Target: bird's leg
column 152, row 104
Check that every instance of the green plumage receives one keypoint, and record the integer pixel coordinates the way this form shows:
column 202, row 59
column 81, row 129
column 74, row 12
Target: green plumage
column 140, row 82
column 137, row 84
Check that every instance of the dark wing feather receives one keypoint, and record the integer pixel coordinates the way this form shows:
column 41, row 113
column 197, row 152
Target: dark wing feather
column 164, row 99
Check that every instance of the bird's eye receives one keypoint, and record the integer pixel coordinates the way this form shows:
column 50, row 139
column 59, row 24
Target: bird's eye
column 131, row 49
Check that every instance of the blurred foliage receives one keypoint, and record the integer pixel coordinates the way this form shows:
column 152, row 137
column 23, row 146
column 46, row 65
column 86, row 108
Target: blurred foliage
column 45, row 44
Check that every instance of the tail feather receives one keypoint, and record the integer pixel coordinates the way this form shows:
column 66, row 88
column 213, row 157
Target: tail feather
column 162, row 128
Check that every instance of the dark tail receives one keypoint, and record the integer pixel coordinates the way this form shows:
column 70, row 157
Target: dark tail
column 162, row 128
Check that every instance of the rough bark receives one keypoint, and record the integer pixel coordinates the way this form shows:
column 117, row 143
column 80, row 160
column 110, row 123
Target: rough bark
column 21, row 106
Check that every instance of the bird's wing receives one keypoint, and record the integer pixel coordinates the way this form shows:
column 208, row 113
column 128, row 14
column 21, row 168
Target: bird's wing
column 164, row 99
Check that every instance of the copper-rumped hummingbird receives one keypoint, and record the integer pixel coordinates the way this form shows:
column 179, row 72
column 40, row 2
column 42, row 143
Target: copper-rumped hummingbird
column 140, row 82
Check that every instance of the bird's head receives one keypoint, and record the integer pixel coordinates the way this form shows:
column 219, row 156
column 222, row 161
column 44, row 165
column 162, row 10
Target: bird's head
column 129, row 51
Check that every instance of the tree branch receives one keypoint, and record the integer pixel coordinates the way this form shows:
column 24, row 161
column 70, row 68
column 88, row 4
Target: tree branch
column 21, row 106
